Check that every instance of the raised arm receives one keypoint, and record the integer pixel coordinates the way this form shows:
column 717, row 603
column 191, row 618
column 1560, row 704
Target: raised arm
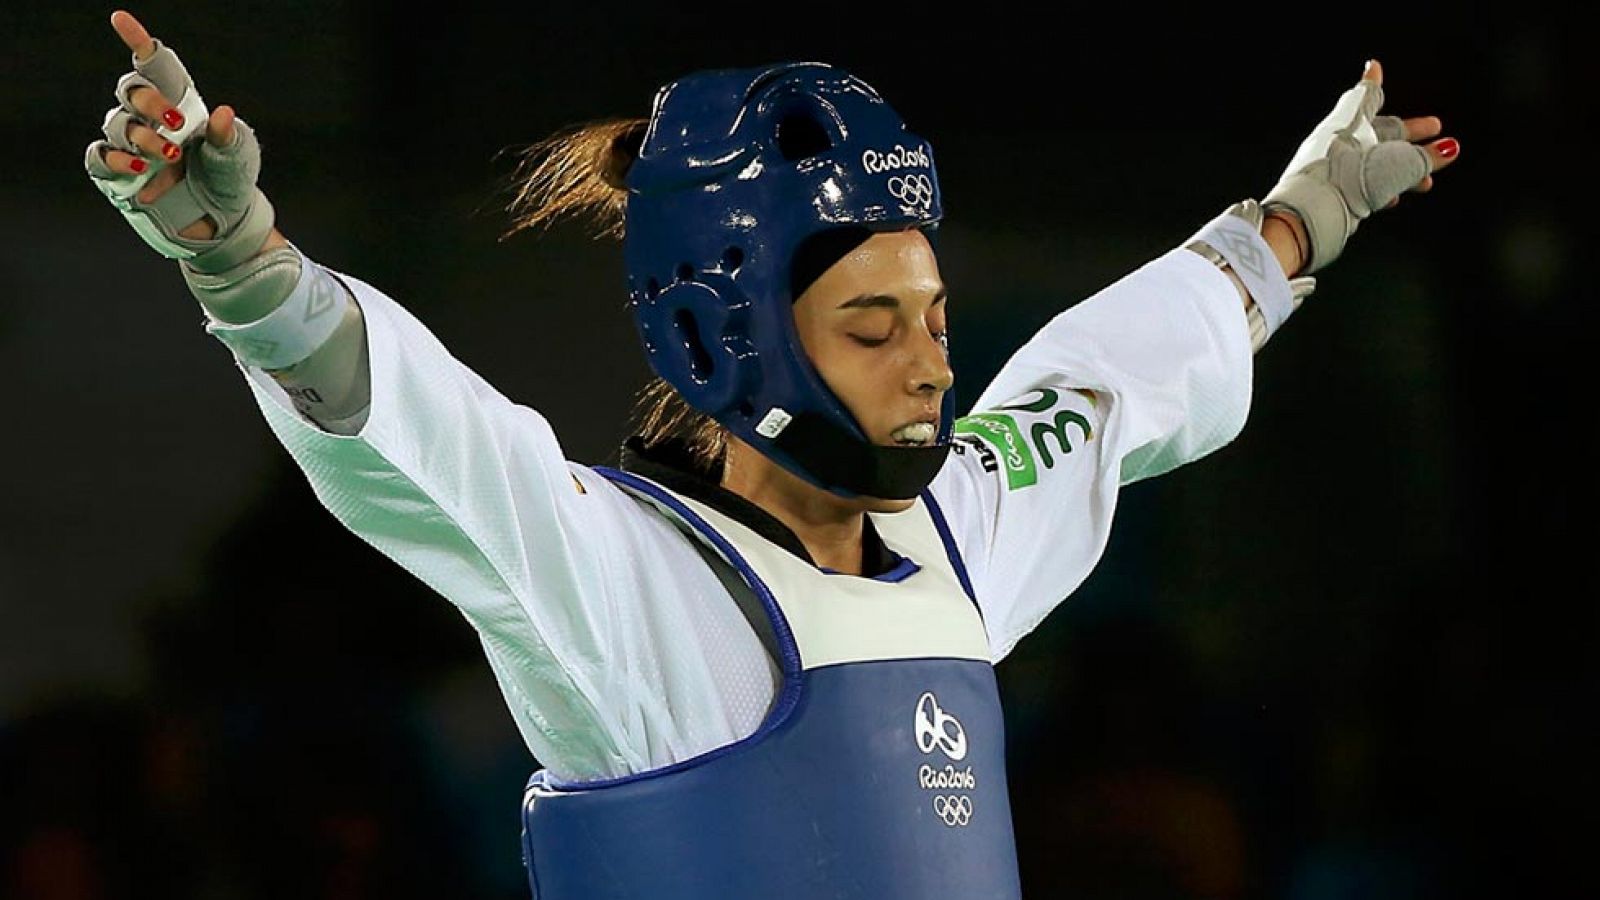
column 1155, row 371
column 403, row 443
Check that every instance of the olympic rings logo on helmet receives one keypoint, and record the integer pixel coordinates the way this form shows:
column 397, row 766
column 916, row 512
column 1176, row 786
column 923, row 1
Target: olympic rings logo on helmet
column 912, row 190
column 954, row 810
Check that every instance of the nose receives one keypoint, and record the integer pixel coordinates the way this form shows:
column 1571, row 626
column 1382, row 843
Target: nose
column 931, row 366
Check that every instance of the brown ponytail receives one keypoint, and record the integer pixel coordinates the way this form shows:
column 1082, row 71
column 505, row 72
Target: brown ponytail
column 581, row 170
column 660, row 415
column 577, row 171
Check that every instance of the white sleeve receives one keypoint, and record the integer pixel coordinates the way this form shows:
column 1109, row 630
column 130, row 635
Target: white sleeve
column 1150, row 373
column 472, row 493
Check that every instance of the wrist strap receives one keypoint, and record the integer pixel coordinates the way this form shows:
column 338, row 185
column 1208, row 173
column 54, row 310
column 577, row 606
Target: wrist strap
column 1235, row 236
column 295, row 329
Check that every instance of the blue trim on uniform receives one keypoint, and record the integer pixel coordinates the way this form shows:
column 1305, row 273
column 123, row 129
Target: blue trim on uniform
column 899, row 659
column 902, row 570
column 951, row 550
column 793, row 674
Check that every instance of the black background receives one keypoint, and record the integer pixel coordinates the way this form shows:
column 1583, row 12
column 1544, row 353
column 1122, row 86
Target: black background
column 1348, row 655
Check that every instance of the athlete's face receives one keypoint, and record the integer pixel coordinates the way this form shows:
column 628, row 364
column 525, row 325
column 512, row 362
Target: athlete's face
column 874, row 326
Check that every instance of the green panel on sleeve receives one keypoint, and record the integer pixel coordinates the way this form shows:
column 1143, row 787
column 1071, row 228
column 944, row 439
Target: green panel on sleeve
column 1001, row 432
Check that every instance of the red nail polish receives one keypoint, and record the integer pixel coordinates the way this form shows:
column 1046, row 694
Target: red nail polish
column 138, row 166
column 170, row 151
column 1448, row 148
column 173, row 118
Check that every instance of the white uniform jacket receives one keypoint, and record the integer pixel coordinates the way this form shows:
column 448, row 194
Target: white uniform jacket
column 617, row 648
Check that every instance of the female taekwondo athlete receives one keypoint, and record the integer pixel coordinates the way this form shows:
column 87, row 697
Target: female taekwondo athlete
column 755, row 660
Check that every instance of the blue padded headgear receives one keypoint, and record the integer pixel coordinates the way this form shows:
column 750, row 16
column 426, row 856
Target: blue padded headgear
column 737, row 168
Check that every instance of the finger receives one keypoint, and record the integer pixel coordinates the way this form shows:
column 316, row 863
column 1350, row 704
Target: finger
column 1425, row 185
column 140, row 94
column 1371, row 92
column 1373, row 72
column 1422, row 128
column 1443, row 152
column 219, row 128
column 105, row 161
column 133, row 34
column 167, row 73
column 1394, row 128
column 157, row 147
column 124, row 163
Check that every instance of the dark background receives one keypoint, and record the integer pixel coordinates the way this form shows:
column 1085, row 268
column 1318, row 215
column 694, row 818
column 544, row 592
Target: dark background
column 1351, row 654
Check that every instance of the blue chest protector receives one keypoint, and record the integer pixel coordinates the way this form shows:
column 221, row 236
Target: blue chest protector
column 878, row 773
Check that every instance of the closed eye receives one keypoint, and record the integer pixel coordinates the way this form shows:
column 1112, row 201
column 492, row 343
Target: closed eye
column 942, row 337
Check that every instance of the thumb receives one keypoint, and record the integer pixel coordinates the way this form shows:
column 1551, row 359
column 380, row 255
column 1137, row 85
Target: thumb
column 219, row 128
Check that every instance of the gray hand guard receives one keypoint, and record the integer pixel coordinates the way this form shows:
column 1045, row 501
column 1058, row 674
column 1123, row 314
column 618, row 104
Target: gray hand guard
column 219, row 182
column 1354, row 163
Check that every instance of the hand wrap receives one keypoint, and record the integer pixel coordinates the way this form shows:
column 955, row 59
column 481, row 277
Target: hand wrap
column 1353, row 163
column 218, row 182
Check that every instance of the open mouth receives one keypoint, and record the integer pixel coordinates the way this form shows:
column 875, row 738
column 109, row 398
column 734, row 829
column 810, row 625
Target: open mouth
column 916, row 434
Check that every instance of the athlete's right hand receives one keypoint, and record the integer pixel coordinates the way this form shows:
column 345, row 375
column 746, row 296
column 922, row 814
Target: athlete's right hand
column 185, row 179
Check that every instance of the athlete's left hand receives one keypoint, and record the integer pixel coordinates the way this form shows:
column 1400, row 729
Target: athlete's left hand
column 1356, row 162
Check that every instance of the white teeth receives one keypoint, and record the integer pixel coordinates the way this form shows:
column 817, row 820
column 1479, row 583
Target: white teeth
column 920, row 432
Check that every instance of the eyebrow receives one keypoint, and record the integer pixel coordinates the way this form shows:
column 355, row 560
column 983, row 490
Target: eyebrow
column 874, row 301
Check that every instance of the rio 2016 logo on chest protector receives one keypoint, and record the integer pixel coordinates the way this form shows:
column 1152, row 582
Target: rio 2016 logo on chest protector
column 938, row 730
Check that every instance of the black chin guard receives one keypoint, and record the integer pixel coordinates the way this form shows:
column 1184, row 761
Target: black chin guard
column 890, row 473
